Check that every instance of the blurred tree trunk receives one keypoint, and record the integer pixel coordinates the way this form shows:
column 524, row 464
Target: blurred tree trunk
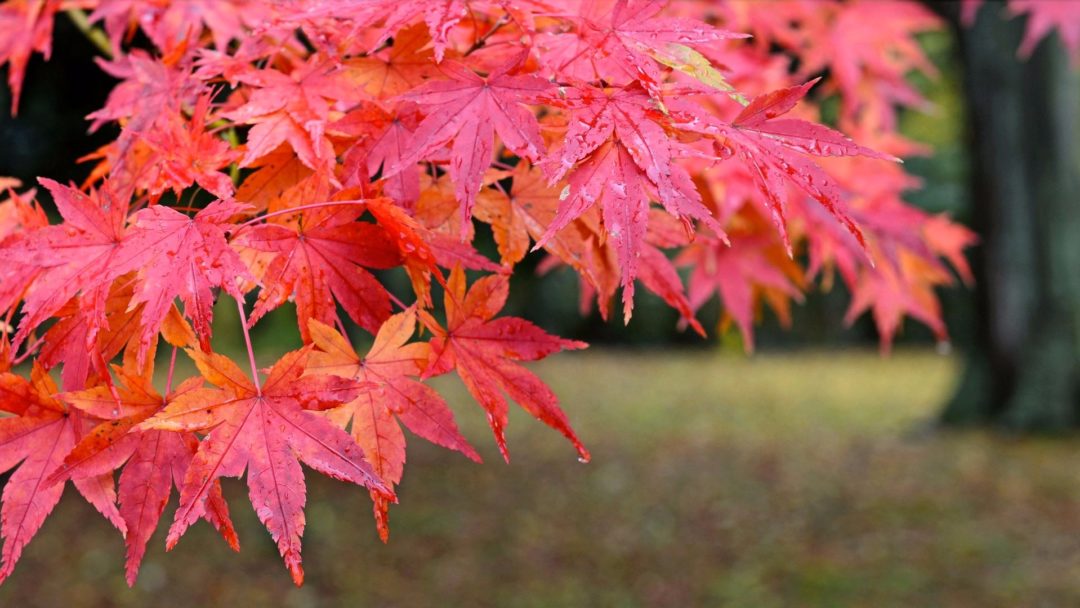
column 1023, row 368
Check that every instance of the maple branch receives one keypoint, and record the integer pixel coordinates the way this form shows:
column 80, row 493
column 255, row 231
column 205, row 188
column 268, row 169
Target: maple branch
column 94, row 35
column 480, row 42
column 247, row 343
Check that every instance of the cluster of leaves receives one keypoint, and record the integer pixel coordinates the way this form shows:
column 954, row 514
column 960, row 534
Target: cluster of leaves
column 283, row 151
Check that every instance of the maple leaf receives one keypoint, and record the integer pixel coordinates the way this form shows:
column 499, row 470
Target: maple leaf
column 412, row 241
column 868, row 48
column 740, row 274
column 152, row 460
column 950, row 240
column 470, row 110
column 1045, row 16
column 772, row 149
column 507, row 222
column 19, row 218
column 83, row 341
column 265, row 429
column 39, row 434
column 528, row 210
column 615, row 153
column 385, row 140
column 149, row 88
column 482, row 351
column 658, row 274
column 293, row 108
column 892, row 291
column 611, row 178
column 171, row 25
column 275, row 182
column 186, row 153
column 180, row 256
column 18, row 212
column 394, row 70
column 321, row 260
column 440, row 16
column 25, row 28
column 390, row 366
column 624, row 39
column 79, row 255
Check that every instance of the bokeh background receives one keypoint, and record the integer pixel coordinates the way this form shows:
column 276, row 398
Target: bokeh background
column 813, row 473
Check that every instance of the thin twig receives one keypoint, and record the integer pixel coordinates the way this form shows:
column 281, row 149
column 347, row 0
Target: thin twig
column 95, row 35
column 479, row 44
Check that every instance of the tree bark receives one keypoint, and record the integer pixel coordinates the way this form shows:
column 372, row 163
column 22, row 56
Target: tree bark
column 1023, row 370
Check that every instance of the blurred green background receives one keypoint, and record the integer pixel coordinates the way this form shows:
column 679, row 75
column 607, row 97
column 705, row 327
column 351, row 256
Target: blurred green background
column 803, row 476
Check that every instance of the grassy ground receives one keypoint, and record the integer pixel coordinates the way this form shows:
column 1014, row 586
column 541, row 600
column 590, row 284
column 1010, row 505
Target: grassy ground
column 790, row 480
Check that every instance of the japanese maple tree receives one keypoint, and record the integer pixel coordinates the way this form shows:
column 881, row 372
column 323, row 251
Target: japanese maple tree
column 274, row 151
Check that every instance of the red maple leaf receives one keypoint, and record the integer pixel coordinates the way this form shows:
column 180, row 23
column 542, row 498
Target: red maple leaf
column 40, row 432
column 394, row 70
column 893, row 290
column 180, row 256
column 78, row 256
column 616, row 153
column 152, row 460
column 440, row 16
column 469, row 110
column 175, row 24
column 1045, row 16
column 384, row 140
column 25, row 28
column 773, row 149
column 618, row 41
column 263, row 427
column 483, row 350
column 528, row 210
column 20, row 217
column 740, row 273
column 322, row 259
column 186, row 153
column 293, row 108
column 391, row 366
column 80, row 341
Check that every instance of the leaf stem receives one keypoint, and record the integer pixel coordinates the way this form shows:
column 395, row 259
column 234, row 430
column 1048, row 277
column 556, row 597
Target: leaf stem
column 247, row 343
column 172, row 368
column 340, row 326
column 230, row 136
column 298, row 209
column 94, row 35
column 29, row 351
column 396, row 301
column 103, row 369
